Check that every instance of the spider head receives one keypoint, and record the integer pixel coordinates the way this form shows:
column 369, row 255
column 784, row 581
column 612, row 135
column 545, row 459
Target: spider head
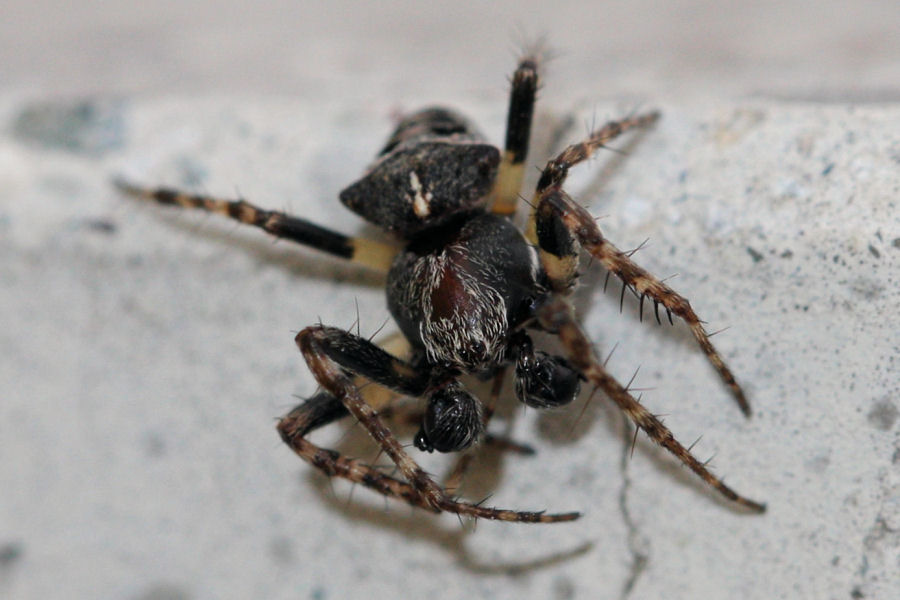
column 453, row 420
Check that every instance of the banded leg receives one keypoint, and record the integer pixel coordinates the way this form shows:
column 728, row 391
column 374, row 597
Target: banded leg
column 525, row 81
column 554, row 174
column 556, row 171
column 333, row 355
column 318, row 411
column 561, row 225
column 368, row 253
column 557, row 316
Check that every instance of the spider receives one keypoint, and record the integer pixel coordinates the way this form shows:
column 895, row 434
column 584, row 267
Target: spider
column 465, row 287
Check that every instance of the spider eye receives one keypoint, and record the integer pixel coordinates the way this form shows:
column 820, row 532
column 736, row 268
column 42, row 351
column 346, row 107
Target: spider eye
column 452, row 421
column 544, row 381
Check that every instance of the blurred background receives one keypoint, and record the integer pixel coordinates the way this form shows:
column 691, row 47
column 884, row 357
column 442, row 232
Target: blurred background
column 829, row 49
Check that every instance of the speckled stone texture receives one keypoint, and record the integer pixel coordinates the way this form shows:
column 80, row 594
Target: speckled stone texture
column 146, row 353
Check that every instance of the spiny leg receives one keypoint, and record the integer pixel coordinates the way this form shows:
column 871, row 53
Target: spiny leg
column 554, row 174
column 369, row 253
column 556, row 171
column 557, row 316
column 525, row 82
column 318, row 411
column 323, row 409
column 333, row 355
column 292, row 430
column 383, row 399
column 561, row 226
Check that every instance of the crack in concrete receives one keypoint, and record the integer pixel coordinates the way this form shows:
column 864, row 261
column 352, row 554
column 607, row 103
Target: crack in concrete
column 638, row 543
column 881, row 544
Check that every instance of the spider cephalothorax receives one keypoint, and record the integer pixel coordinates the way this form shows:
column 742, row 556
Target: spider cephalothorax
column 465, row 287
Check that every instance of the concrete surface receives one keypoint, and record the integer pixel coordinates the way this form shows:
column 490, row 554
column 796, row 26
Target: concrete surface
column 146, row 353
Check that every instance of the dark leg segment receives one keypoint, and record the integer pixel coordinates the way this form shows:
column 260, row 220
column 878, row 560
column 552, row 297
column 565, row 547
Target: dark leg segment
column 525, row 83
column 561, row 256
column 333, row 356
column 557, row 316
column 372, row 254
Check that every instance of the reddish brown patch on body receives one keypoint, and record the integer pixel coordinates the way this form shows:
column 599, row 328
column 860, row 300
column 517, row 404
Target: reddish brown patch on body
column 449, row 296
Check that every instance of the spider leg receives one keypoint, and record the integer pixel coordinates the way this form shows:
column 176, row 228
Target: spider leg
column 561, row 225
column 556, row 171
column 557, row 316
column 333, row 356
column 318, row 411
column 525, row 81
column 369, row 253
column 554, row 174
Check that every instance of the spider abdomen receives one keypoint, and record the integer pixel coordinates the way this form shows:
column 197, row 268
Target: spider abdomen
column 457, row 291
column 434, row 168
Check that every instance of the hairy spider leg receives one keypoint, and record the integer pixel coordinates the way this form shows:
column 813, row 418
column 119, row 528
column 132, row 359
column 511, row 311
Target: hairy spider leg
column 525, row 82
column 369, row 253
column 562, row 267
column 378, row 397
column 559, row 226
column 558, row 213
column 558, row 316
column 332, row 356
column 324, row 409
